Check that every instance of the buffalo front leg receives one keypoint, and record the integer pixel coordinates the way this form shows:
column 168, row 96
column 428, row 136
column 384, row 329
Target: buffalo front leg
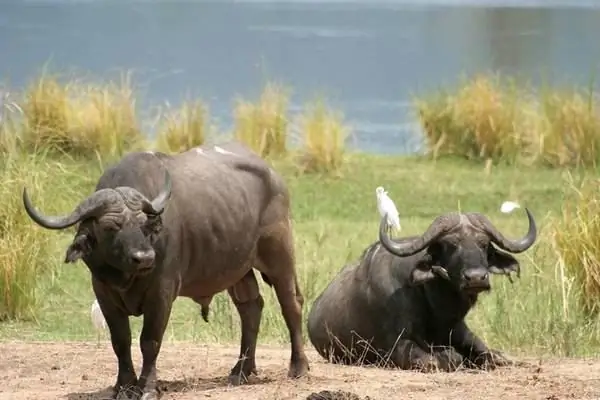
column 156, row 318
column 120, row 338
column 249, row 303
column 474, row 349
column 408, row 355
column 277, row 255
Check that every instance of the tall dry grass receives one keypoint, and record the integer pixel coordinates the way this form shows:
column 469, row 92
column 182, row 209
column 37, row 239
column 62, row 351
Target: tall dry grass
column 80, row 118
column 495, row 118
column 576, row 239
column 10, row 111
column 183, row 128
column 23, row 247
column 264, row 125
column 325, row 133
column 570, row 128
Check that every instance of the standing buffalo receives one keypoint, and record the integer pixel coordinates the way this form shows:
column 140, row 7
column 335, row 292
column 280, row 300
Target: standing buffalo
column 403, row 303
column 193, row 224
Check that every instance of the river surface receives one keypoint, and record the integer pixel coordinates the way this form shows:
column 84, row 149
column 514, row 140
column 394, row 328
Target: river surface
column 369, row 58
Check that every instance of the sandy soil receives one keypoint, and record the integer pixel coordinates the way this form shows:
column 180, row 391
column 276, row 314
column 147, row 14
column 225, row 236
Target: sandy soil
column 78, row 371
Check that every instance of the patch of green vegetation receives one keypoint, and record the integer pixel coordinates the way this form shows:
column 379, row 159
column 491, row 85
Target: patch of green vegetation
column 334, row 219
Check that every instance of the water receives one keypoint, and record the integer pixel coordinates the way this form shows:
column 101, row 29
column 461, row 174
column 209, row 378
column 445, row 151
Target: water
column 368, row 57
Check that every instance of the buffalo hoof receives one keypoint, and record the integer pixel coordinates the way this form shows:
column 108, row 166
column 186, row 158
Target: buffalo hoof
column 238, row 379
column 449, row 360
column 426, row 364
column 240, row 373
column 153, row 395
column 125, row 392
column 298, row 368
column 492, row 360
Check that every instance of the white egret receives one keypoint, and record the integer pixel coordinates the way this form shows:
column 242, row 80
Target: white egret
column 97, row 316
column 509, row 206
column 386, row 206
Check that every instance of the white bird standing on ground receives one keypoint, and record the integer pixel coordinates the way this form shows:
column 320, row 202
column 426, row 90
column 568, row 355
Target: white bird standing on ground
column 386, row 206
column 97, row 316
column 508, row 206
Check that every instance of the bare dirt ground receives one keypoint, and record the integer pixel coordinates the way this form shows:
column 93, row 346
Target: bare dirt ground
column 78, row 371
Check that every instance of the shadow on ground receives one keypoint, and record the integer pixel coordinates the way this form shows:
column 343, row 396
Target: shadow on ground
column 197, row 385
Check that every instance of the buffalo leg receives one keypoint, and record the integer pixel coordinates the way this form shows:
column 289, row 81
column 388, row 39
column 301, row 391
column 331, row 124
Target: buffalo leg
column 153, row 330
column 249, row 303
column 473, row 348
column 277, row 255
column 120, row 338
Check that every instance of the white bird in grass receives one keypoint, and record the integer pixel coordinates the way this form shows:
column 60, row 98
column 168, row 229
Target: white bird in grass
column 509, row 206
column 386, row 206
column 98, row 318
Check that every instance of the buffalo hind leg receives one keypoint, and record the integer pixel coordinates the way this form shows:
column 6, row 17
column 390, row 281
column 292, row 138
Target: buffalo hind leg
column 276, row 253
column 249, row 303
column 120, row 338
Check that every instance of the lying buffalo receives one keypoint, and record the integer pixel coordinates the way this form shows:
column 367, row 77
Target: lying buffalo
column 193, row 224
column 403, row 303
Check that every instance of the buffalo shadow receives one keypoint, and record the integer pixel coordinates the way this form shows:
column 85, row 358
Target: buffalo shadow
column 197, row 385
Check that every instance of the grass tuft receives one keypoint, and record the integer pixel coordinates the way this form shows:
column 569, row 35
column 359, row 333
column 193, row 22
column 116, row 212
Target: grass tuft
column 576, row 238
column 22, row 246
column 264, row 125
column 570, row 129
column 325, row 136
column 80, row 118
column 183, row 128
column 482, row 120
column 494, row 118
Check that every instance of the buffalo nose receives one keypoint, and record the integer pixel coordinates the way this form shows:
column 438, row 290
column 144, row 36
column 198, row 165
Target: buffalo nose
column 143, row 258
column 475, row 275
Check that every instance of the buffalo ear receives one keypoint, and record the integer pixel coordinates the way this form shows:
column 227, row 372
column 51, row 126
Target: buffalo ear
column 419, row 275
column 426, row 270
column 500, row 262
column 80, row 247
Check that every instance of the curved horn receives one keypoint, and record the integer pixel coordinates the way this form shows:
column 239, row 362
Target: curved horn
column 407, row 247
column 513, row 246
column 92, row 205
column 158, row 204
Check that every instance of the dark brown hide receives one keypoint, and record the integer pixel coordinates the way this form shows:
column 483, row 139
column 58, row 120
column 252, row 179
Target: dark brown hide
column 226, row 212
column 403, row 303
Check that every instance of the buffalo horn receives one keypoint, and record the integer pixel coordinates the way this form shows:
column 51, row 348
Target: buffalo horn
column 408, row 247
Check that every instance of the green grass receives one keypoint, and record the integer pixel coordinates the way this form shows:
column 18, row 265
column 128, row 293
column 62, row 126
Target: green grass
column 334, row 219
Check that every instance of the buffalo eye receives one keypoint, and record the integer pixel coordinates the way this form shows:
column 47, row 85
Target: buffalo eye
column 152, row 226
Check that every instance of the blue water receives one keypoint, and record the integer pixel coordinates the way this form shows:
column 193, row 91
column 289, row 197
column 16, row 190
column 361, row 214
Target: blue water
column 367, row 57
